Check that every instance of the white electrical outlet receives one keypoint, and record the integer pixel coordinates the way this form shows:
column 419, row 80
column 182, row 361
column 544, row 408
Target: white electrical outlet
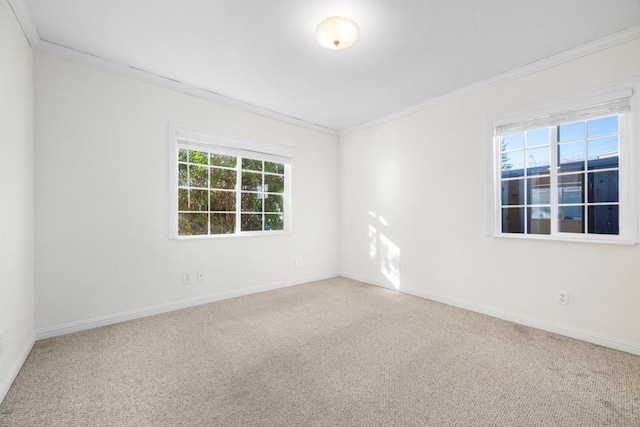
column 563, row 297
column 298, row 262
column 200, row 276
column 1, row 343
column 187, row 277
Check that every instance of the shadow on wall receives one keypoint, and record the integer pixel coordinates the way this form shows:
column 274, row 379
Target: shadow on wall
column 383, row 253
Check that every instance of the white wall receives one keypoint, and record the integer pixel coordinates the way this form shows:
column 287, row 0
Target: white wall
column 101, row 168
column 16, row 196
column 424, row 175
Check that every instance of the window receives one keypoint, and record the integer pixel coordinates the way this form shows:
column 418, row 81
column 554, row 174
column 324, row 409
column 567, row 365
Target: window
column 228, row 187
column 565, row 173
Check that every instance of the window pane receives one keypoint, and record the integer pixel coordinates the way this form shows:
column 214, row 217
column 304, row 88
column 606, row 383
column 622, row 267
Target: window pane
column 538, row 161
column 274, row 222
column 251, row 202
column 513, row 164
column 603, row 153
column 223, row 223
column 251, row 222
column 570, row 188
column 274, row 183
column 223, row 178
column 223, row 201
column 273, row 203
column 220, row 160
column 251, row 181
column 513, row 220
column 571, row 156
column 182, row 155
column 513, row 192
column 254, row 165
column 571, row 131
column 603, row 187
column 539, row 191
column 199, row 157
column 192, row 200
column 603, row 219
column 538, row 137
column 571, row 219
column 602, row 126
column 274, row 167
column 192, row 224
column 183, row 200
column 513, row 141
column 539, row 220
column 198, row 200
column 198, row 176
column 182, row 175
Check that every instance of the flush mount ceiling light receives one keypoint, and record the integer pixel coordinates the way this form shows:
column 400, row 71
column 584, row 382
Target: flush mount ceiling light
column 337, row 32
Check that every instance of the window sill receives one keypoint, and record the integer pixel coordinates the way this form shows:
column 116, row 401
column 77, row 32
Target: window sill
column 230, row 236
column 617, row 241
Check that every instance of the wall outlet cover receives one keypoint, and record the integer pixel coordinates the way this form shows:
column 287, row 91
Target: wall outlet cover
column 187, row 278
column 563, row 297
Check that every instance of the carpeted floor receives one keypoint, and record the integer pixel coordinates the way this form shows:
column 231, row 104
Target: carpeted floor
column 329, row 353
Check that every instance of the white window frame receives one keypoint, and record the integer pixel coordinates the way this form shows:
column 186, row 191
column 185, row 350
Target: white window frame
column 184, row 136
column 628, row 218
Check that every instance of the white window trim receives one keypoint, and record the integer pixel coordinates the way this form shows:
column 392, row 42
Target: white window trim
column 628, row 184
column 231, row 146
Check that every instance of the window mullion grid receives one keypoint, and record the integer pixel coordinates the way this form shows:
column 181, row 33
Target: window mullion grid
column 209, row 195
column 623, row 184
column 209, row 187
column 526, row 184
column 238, row 193
column 188, row 182
column 553, row 180
column 285, row 198
column 498, row 184
column 264, row 195
column 575, row 180
column 585, row 186
column 177, row 221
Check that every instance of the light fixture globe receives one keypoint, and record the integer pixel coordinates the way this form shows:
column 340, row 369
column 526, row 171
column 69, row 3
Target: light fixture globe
column 337, row 33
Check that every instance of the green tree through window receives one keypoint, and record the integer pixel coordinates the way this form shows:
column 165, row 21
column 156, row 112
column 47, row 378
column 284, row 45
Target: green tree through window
column 222, row 194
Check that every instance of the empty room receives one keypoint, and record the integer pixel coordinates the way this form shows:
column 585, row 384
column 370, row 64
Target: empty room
column 319, row 213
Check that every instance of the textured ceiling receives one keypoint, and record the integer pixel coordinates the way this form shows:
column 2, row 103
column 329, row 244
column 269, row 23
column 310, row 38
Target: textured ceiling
column 263, row 52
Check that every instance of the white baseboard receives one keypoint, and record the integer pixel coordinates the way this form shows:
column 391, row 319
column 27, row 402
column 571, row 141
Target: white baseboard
column 111, row 319
column 545, row 325
column 592, row 337
column 6, row 383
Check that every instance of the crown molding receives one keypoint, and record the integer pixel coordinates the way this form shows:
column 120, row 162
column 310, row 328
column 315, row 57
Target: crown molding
column 21, row 11
column 612, row 40
column 23, row 15
column 46, row 46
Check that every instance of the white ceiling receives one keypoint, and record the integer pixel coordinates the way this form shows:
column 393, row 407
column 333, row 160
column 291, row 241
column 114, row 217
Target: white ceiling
column 263, row 52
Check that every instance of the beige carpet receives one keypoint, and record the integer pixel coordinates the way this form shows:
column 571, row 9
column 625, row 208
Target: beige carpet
column 330, row 353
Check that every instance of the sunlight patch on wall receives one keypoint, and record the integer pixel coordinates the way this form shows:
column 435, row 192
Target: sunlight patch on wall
column 383, row 252
column 373, row 244
column 390, row 261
